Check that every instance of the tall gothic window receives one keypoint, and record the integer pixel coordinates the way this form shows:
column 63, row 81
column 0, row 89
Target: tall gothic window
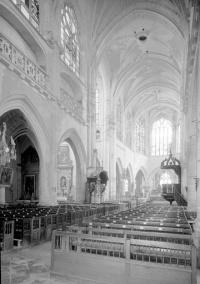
column 119, row 121
column 165, row 178
column 69, row 39
column 161, row 137
column 140, row 135
column 97, row 106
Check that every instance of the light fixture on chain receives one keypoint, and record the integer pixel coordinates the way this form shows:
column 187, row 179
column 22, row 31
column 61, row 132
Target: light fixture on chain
column 7, row 151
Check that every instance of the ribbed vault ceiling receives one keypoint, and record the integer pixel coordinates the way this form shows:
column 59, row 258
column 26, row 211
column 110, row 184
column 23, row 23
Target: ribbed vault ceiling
column 141, row 49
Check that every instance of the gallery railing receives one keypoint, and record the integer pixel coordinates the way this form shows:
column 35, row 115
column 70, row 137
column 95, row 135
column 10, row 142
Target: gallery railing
column 20, row 61
column 30, row 11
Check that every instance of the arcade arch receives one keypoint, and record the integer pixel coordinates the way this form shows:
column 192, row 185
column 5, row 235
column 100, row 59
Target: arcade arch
column 75, row 163
column 31, row 140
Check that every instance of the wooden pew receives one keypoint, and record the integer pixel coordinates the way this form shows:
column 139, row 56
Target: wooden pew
column 123, row 233
column 138, row 228
column 6, row 234
column 100, row 259
column 149, row 222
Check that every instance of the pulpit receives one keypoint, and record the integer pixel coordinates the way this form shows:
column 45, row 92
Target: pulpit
column 169, row 190
column 96, row 186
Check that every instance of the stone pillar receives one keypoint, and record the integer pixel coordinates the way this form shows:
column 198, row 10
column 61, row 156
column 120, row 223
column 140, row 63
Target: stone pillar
column 196, row 227
column 191, row 166
column 44, row 190
column 91, row 118
column 45, row 16
column 112, row 155
column 123, row 180
column 191, row 152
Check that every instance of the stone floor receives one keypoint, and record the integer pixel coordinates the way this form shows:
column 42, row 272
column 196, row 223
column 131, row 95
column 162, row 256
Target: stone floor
column 27, row 266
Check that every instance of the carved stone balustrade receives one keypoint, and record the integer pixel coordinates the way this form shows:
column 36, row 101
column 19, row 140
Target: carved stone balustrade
column 18, row 60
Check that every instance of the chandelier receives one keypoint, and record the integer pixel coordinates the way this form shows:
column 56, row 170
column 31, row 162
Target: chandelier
column 7, row 151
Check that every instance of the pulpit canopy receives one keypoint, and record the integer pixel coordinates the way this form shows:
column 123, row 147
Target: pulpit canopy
column 103, row 177
column 172, row 163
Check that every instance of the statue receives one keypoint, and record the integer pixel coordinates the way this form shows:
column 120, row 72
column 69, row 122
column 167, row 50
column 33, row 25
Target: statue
column 7, row 152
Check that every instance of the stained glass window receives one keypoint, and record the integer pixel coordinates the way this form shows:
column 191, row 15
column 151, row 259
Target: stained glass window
column 140, row 135
column 161, row 137
column 165, row 178
column 69, row 38
column 119, row 121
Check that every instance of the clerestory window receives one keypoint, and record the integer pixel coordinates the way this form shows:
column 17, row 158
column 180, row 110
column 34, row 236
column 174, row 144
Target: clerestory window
column 161, row 137
column 69, row 39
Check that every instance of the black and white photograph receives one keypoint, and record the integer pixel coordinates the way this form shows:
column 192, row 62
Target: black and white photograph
column 100, row 141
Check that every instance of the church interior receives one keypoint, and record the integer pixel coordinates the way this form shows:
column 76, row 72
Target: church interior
column 99, row 140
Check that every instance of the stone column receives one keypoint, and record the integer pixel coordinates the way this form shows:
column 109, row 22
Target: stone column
column 196, row 226
column 192, row 170
column 112, row 150
column 191, row 154
column 91, row 111
column 45, row 16
column 123, row 179
column 44, row 190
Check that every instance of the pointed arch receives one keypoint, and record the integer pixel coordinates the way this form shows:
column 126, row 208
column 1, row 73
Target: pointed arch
column 74, row 140
column 42, row 137
column 38, row 134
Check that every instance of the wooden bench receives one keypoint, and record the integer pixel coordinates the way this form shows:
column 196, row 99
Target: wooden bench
column 138, row 228
column 149, row 222
column 153, row 236
column 100, row 259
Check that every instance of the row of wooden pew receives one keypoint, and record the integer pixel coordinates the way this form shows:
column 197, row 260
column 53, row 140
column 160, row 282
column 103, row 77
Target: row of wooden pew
column 156, row 237
column 21, row 227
